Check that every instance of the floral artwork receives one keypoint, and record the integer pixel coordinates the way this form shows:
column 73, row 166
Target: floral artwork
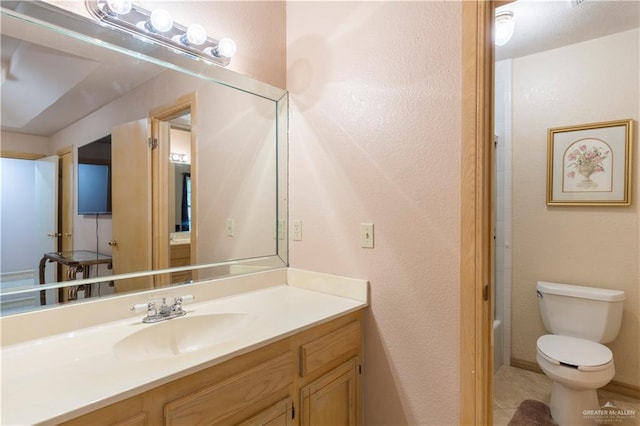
column 589, row 164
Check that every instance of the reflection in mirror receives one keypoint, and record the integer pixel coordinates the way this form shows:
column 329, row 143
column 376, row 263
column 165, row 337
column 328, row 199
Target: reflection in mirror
column 206, row 186
column 180, row 196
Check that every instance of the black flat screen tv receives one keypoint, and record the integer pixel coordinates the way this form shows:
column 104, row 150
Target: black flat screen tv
column 94, row 177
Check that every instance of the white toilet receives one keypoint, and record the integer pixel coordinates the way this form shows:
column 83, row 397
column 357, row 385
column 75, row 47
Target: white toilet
column 580, row 318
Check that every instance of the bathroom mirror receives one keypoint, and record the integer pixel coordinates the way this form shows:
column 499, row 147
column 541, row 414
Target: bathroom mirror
column 237, row 160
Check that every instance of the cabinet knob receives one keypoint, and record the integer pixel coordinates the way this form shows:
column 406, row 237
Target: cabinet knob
column 113, row 243
column 67, row 234
column 54, row 235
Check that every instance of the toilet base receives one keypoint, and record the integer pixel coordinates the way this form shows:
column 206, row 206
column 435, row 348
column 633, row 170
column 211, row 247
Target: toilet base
column 568, row 404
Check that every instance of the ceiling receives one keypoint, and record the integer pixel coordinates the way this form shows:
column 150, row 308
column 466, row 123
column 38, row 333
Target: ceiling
column 49, row 85
column 542, row 24
column 50, row 81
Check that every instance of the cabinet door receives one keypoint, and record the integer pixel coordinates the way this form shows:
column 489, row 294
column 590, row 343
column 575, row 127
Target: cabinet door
column 280, row 414
column 239, row 393
column 130, row 412
column 332, row 399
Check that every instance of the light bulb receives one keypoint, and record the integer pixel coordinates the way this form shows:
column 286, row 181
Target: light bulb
column 226, row 47
column 195, row 35
column 119, row 7
column 504, row 28
column 160, row 21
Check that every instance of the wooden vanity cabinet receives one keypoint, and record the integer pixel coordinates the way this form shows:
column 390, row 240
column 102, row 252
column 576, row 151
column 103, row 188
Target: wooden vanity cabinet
column 309, row 379
column 180, row 255
column 330, row 370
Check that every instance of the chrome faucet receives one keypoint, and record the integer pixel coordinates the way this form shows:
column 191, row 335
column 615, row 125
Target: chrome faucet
column 164, row 312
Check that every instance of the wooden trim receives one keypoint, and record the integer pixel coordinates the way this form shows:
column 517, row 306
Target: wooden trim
column 476, row 365
column 194, row 183
column 65, row 150
column 621, row 388
column 526, row 365
column 21, row 155
column 175, row 110
column 65, row 202
column 614, row 386
column 160, row 174
column 160, row 249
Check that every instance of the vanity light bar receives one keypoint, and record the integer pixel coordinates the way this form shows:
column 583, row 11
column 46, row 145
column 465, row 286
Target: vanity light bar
column 175, row 157
column 158, row 25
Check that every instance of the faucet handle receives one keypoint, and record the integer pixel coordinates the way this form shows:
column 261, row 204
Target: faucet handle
column 140, row 307
column 178, row 301
column 184, row 299
column 150, row 307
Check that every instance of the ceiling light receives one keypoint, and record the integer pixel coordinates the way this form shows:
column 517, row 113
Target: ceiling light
column 159, row 21
column 225, row 48
column 159, row 26
column 504, row 27
column 195, row 35
column 119, row 7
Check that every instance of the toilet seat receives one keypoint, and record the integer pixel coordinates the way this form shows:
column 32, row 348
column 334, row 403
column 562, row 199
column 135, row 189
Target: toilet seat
column 582, row 354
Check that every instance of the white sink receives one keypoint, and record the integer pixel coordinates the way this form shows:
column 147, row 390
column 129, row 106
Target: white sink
column 181, row 336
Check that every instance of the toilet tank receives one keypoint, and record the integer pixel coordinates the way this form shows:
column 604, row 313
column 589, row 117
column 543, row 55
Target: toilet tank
column 587, row 312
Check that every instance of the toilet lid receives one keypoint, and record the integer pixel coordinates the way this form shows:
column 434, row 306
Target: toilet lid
column 574, row 351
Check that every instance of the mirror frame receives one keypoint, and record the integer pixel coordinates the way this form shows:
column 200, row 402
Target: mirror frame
column 104, row 35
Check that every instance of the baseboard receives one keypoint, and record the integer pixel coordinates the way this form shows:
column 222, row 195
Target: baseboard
column 526, row 365
column 623, row 389
column 613, row 386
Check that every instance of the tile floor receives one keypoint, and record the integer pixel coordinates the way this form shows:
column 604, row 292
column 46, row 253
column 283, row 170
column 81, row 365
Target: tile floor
column 513, row 385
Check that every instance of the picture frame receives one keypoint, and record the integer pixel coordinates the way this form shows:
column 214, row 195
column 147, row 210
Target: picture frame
column 590, row 164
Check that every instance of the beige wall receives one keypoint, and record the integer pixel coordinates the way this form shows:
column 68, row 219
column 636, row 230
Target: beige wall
column 596, row 246
column 28, row 144
column 375, row 137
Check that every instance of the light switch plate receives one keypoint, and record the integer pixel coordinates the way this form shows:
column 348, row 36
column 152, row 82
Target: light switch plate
column 366, row 235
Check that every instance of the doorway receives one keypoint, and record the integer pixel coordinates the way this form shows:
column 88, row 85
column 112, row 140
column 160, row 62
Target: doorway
column 174, row 201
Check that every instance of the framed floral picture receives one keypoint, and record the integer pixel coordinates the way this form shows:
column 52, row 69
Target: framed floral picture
column 590, row 164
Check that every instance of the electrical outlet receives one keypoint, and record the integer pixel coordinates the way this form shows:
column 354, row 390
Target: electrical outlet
column 366, row 235
column 296, row 231
column 231, row 228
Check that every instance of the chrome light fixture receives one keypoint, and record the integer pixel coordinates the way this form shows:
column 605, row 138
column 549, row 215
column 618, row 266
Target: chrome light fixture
column 176, row 157
column 158, row 25
column 504, row 27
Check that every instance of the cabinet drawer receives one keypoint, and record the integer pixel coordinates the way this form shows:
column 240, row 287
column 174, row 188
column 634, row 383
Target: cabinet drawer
column 334, row 346
column 137, row 420
column 180, row 251
column 279, row 414
column 212, row 404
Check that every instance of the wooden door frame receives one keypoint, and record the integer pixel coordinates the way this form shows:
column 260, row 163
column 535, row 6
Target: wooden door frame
column 160, row 174
column 476, row 257
column 65, row 204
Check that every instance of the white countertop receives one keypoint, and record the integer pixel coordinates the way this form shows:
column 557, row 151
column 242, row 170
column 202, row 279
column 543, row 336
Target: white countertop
column 55, row 378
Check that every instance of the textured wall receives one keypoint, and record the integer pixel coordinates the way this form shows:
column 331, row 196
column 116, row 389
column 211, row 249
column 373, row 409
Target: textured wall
column 595, row 246
column 375, row 137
